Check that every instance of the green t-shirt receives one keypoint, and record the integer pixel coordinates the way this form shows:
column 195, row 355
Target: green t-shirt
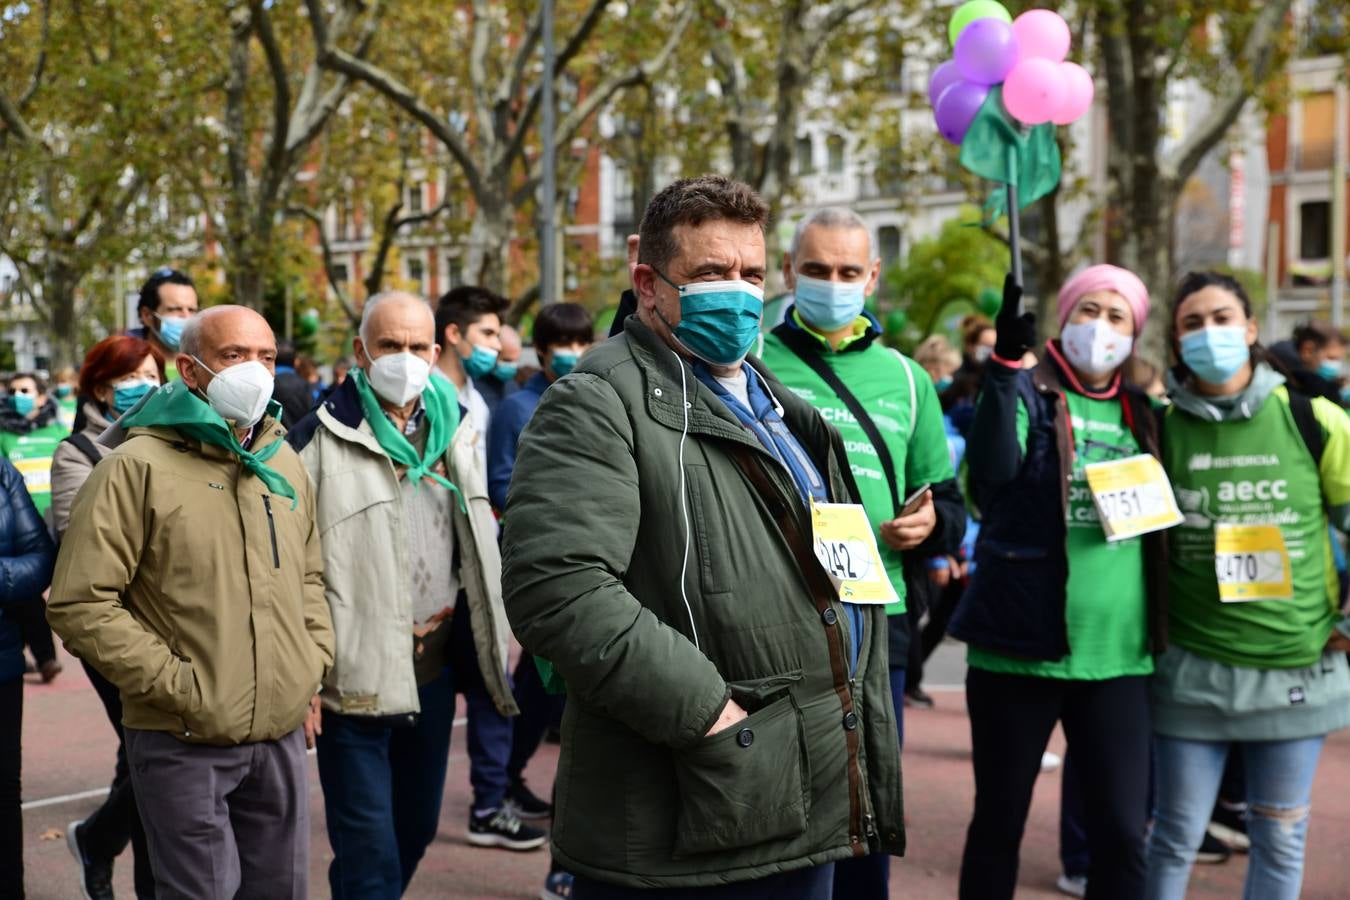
column 31, row 454
column 900, row 398
column 1106, row 606
column 1254, row 471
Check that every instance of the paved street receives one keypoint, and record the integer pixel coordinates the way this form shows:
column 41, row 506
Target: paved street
column 68, row 751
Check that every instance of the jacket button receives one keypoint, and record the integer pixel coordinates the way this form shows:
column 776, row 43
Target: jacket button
column 850, row 721
column 829, row 616
column 657, row 392
column 745, row 737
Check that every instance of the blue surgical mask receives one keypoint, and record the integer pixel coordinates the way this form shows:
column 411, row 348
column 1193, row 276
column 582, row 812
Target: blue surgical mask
column 942, row 384
column 504, row 371
column 1216, row 353
column 719, row 320
column 23, row 403
column 129, row 393
column 480, row 362
column 170, row 330
column 829, row 305
column 64, row 390
column 1330, row 369
column 563, row 362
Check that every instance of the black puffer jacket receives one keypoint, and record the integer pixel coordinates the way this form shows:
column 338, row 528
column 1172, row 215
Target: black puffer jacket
column 27, row 556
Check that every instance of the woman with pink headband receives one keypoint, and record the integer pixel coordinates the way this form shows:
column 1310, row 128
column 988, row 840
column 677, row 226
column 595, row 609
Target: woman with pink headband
column 1061, row 624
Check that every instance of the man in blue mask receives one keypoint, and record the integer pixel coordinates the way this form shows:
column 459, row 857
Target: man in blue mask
column 168, row 299
column 469, row 328
column 729, row 729
column 828, row 351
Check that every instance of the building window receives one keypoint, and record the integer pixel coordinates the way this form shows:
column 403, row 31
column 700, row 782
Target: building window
column 415, row 198
column 340, row 273
column 1314, row 230
column 454, row 272
column 415, row 272
column 806, row 162
column 834, row 149
column 1317, row 137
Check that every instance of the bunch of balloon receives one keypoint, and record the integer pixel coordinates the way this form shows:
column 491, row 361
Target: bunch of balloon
column 1001, row 95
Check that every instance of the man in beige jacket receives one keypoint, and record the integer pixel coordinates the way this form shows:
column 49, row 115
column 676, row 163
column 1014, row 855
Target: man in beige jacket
column 191, row 578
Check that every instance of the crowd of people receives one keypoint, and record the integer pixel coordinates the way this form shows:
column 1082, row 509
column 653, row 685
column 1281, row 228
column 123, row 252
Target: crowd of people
column 727, row 548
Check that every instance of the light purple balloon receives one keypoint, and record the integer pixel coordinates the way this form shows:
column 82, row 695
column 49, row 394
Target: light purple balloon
column 986, row 51
column 957, row 108
column 944, row 76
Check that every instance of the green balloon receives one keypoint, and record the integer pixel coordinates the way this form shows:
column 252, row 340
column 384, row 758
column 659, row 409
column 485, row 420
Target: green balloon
column 975, row 9
column 896, row 321
column 990, row 302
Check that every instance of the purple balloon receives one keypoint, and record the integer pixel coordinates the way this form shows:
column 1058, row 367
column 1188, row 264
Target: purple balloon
column 944, row 76
column 986, row 51
column 957, row 107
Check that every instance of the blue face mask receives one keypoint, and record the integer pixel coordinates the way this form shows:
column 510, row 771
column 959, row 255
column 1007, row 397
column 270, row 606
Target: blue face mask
column 127, row 395
column 170, row 331
column 1330, row 369
column 719, row 320
column 23, row 403
column 829, row 305
column 564, row 361
column 64, row 390
column 480, row 362
column 1216, row 353
column 942, row 384
column 504, row 372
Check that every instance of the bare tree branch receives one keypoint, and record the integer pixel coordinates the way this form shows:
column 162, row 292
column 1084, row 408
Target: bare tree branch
column 329, row 266
column 78, row 9
column 14, row 121
column 834, row 18
column 281, row 97
column 1254, row 65
column 36, row 81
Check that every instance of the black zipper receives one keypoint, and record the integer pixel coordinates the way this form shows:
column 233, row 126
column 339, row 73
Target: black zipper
column 272, row 530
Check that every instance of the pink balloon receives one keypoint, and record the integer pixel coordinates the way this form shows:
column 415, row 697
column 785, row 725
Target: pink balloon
column 944, row 76
column 1078, row 95
column 1034, row 91
column 1043, row 34
column 985, row 51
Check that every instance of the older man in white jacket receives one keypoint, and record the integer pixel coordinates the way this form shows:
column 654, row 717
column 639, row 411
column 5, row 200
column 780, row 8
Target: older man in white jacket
column 413, row 576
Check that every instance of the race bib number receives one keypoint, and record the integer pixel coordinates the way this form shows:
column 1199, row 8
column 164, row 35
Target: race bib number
column 1251, row 562
column 847, row 550
column 1133, row 496
column 37, row 474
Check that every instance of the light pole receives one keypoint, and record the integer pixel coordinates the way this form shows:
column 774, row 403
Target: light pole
column 548, row 253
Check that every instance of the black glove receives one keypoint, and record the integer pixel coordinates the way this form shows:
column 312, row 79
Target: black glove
column 1016, row 333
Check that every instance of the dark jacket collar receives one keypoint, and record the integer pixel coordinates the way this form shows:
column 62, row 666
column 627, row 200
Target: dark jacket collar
column 790, row 332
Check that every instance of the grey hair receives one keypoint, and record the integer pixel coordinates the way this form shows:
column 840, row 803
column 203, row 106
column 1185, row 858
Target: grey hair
column 831, row 217
column 377, row 300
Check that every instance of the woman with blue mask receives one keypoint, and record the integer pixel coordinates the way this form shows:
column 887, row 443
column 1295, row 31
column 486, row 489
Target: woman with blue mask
column 116, row 374
column 1256, row 659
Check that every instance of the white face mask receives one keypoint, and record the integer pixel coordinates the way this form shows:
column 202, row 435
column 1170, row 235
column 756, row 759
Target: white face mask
column 399, row 378
column 1095, row 347
column 983, row 352
column 240, row 394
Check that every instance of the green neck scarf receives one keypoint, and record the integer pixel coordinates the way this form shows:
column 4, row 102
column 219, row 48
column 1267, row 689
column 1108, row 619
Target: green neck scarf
column 175, row 406
column 441, row 404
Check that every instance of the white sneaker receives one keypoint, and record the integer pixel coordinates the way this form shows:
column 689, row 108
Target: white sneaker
column 1073, row 885
column 1051, row 761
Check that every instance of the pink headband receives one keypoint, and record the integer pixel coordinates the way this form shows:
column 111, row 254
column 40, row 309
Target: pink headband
column 1105, row 278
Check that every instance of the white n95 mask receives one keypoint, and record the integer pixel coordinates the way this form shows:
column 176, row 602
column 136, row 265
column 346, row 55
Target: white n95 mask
column 399, row 378
column 240, row 394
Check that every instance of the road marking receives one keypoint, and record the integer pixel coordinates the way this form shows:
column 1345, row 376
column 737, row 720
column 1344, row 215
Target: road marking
column 103, row 792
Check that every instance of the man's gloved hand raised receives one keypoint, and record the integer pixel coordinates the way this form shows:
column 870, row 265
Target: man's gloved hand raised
column 1016, row 332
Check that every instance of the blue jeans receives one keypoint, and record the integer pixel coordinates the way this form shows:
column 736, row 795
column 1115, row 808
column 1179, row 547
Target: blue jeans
column 869, row 877
column 1279, row 785
column 382, row 788
column 489, row 731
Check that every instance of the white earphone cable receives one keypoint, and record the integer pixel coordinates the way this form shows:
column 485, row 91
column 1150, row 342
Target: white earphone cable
column 684, row 503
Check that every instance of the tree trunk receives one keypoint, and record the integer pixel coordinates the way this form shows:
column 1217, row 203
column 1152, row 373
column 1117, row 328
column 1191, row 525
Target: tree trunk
column 59, row 283
column 490, row 244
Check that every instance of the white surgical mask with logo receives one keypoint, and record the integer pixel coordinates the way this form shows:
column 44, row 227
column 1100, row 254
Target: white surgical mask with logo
column 1095, row 347
column 240, row 394
column 399, row 378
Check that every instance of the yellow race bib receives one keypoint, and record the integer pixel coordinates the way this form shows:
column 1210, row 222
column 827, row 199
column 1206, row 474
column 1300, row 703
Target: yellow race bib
column 1251, row 562
column 1133, row 496
column 847, row 549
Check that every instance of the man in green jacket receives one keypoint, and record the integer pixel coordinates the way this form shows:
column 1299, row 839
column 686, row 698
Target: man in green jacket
column 826, row 350
column 729, row 725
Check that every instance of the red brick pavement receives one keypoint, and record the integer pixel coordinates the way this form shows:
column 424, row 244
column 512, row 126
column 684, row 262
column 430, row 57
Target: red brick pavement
column 68, row 748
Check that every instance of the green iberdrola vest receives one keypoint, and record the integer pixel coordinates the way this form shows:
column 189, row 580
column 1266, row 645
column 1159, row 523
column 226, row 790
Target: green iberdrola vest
column 1253, row 471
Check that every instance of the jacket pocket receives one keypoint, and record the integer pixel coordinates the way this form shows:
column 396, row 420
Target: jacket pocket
column 743, row 785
